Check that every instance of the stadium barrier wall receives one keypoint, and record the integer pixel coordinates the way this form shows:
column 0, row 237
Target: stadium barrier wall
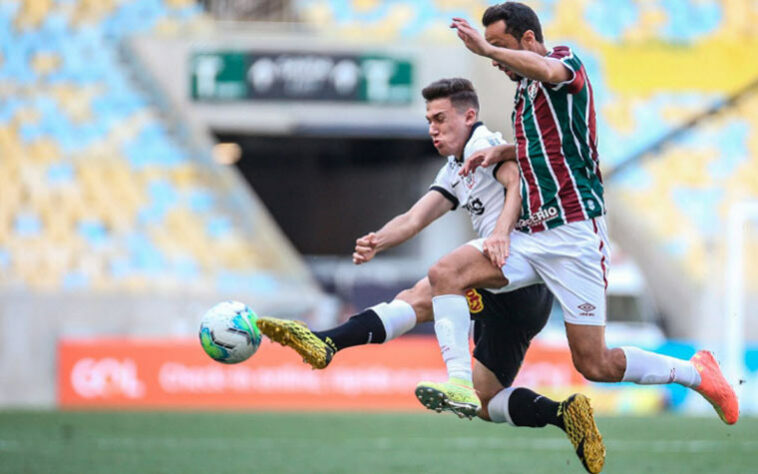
column 148, row 373
column 31, row 324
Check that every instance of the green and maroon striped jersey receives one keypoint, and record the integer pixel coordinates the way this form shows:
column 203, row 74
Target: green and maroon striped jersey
column 556, row 146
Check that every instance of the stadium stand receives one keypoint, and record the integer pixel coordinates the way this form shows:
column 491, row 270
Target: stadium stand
column 687, row 190
column 103, row 193
column 99, row 190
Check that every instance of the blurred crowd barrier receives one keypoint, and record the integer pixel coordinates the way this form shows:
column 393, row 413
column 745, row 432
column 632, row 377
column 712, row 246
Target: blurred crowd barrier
column 177, row 374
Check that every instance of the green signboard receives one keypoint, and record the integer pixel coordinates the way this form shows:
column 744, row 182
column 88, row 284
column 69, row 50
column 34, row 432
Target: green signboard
column 309, row 77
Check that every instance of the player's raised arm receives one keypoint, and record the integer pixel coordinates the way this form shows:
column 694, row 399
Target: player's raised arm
column 526, row 62
column 488, row 157
column 401, row 228
column 496, row 246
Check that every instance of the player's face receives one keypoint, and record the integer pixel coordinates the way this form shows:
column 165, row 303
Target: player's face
column 496, row 36
column 448, row 127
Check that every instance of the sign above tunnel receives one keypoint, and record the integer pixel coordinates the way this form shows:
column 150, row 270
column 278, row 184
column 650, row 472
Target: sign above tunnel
column 296, row 76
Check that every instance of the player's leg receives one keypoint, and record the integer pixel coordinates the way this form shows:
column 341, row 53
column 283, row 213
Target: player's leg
column 384, row 321
column 630, row 364
column 377, row 324
column 465, row 267
column 517, row 406
column 520, row 406
column 503, row 331
column 573, row 265
column 507, row 324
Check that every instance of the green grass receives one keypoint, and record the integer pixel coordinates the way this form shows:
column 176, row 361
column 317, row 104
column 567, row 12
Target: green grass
column 144, row 442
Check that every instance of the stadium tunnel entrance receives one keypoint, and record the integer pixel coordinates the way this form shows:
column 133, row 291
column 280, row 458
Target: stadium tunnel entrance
column 325, row 191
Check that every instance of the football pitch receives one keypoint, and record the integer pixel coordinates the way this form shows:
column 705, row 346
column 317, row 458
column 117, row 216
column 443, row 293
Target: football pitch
column 190, row 442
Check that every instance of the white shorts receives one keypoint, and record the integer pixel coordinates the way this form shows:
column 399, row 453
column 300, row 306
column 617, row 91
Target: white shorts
column 572, row 260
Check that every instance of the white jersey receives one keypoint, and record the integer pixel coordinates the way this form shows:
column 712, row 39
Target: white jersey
column 480, row 193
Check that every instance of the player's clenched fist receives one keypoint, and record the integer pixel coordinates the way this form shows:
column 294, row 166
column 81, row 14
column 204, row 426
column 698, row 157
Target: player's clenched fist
column 365, row 248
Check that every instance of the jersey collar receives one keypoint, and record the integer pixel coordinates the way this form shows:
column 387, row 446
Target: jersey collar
column 471, row 134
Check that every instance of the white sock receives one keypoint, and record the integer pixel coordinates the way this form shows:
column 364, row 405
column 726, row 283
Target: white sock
column 398, row 317
column 498, row 406
column 451, row 324
column 649, row 368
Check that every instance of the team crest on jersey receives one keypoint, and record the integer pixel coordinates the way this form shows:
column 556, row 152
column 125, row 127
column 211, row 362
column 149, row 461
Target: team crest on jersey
column 533, row 89
column 469, row 180
column 475, row 302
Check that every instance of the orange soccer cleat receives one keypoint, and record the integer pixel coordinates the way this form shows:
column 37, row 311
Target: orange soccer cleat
column 714, row 387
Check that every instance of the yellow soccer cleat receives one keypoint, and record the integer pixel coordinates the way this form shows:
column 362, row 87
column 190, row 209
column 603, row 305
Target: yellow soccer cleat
column 580, row 427
column 295, row 334
column 455, row 395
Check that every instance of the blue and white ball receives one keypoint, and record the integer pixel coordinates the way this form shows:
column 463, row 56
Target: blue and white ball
column 228, row 332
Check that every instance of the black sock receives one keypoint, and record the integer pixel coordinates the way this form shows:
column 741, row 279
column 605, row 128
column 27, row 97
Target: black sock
column 363, row 328
column 528, row 408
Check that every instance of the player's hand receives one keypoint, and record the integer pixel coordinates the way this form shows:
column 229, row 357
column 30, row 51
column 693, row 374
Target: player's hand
column 471, row 37
column 496, row 247
column 365, row 248
column 486, row 157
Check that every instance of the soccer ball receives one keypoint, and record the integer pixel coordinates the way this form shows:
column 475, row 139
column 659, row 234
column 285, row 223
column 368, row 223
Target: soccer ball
column 228, row 332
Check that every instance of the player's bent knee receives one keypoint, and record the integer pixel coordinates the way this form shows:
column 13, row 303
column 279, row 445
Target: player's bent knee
column 444, row 276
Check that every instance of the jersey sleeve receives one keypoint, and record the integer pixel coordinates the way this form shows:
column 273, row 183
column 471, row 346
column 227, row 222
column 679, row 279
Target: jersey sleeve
column 443, row 185
column 566, row 56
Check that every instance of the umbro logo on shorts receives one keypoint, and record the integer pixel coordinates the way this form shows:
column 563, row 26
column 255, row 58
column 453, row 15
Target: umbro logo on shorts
column 586, row 309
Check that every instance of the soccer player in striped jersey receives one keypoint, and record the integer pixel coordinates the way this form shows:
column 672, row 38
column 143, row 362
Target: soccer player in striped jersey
column 561, row 238
column 504, row 323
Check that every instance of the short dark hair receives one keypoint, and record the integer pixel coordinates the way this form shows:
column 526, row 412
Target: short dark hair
column 460, row 92
column 518, row 19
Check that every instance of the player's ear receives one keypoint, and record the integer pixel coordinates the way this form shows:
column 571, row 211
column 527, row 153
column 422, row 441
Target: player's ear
column 528, row 37
column 471, row 115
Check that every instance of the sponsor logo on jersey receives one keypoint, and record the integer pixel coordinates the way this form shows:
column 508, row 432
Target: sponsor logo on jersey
column 475, row 207
column 475, row 302
column 587, row 309
column 539, row 217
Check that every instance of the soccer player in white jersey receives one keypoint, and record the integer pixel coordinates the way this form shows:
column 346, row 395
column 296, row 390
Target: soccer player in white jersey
column 561, row 238
column 504, row 324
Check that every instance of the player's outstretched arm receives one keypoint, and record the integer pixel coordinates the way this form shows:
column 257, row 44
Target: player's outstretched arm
column 487, row 157
column 401, row 228
column 524, row 62
column 496, row 246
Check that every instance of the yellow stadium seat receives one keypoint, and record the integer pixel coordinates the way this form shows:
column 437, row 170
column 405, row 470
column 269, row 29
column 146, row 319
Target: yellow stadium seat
column 32, row 13
column 44, row 63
